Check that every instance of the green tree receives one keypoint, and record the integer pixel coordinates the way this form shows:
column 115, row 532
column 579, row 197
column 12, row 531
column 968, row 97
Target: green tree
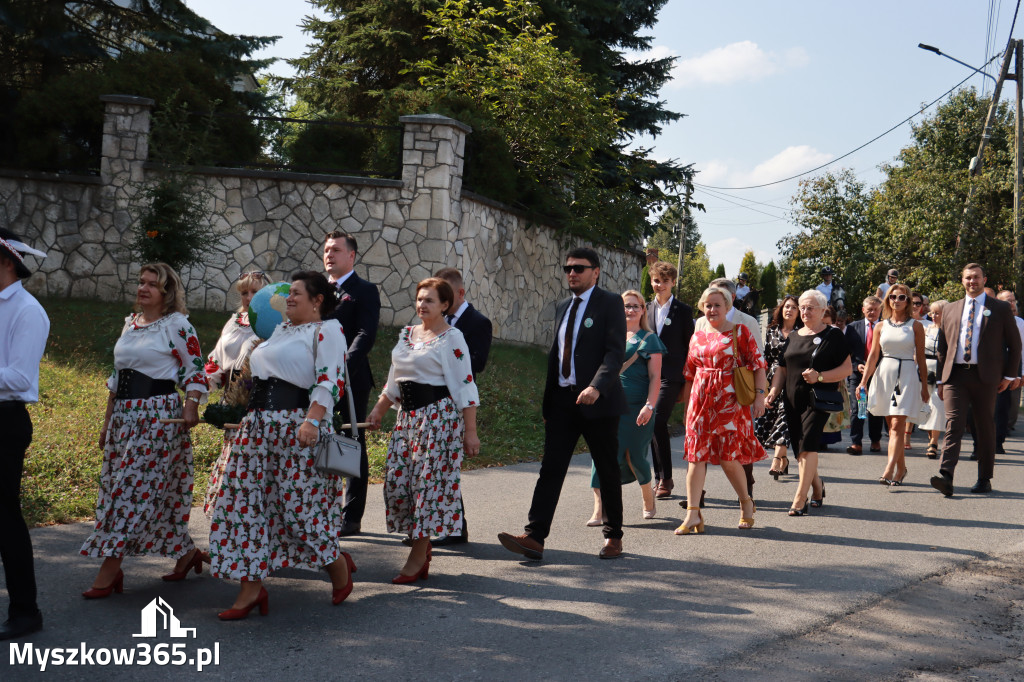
column 749, row 265
column 695, row 276
column 769, row 286
column 665, row 237
column 720, row 271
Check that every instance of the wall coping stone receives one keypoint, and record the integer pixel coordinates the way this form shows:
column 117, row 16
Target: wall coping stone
column 436, row 119
column 128, row 99
column 50, row 177
column 276, row 175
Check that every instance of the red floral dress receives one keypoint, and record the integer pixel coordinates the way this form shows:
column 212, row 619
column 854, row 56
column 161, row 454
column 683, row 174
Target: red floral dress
column 145, row 494
column 717, row 427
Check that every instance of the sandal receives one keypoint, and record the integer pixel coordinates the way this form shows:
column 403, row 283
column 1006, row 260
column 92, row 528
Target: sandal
column 747, row 523
column 683, row 529
column 779, row 472
column 816, row 503
column 932, row 451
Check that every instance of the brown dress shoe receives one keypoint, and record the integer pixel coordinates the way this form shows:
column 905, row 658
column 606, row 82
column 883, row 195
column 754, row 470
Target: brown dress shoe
column 876, row 446
column 855, row 449
column 522, row 544
column 612, row 549
column 664, row 489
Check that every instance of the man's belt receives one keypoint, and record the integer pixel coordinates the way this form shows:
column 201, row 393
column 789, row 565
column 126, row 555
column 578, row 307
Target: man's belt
column 415, row 396
column 277, row 394
column 964, row 365
column 134, row 385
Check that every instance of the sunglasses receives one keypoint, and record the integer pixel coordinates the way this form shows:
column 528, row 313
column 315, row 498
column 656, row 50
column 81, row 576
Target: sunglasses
column 898, row 297
column 578, row 269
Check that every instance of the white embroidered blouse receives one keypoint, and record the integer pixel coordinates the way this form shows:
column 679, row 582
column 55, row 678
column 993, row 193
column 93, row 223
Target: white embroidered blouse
column 165, row 349
column 288, row 355
column 233, row 347
column 444, row 360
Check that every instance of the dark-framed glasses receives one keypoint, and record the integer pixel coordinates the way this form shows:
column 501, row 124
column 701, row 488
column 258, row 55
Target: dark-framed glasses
column 578, row 269
column 633, row 306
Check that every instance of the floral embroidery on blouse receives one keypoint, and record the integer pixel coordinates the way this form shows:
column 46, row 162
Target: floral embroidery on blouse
column 195, row 359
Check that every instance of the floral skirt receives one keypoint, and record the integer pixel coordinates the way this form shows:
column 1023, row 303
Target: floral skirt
column 145, row 494
column 273, row 510
column 422, row 484
column 217, row 472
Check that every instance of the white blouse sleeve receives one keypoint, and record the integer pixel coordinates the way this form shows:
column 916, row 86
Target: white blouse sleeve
column 184, row 345
column 391, row 387
column 329, row 365
column 458, row 374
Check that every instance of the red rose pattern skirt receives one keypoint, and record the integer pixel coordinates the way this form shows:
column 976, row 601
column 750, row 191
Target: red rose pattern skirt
column 422, row 483
column 217, row 472
column 145, row 495
column 273, row 510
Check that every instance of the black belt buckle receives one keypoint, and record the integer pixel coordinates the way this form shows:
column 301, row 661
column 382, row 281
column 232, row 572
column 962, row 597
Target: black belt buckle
column 965, row 366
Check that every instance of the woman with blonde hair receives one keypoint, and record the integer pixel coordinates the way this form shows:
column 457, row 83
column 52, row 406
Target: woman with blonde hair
column 718, row 429
column 900, row 390
column 935, row 424
column 145, row 494
column 641, row 382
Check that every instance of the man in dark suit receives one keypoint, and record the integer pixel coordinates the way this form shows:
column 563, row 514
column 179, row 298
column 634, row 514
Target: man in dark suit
column 358, row 312
column 858, row 339
column 477, row 330
column 672, row 321
column 582, row 397
column 979, row 355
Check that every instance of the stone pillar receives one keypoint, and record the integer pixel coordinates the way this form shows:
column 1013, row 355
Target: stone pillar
column 126, row 121
column 433, row 152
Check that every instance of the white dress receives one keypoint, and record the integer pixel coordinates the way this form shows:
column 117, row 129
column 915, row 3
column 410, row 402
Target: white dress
column 936, row 420
column 895, row 388
column 233, row 347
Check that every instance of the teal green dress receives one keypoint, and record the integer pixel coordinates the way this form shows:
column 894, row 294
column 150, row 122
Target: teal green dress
column 634, row 440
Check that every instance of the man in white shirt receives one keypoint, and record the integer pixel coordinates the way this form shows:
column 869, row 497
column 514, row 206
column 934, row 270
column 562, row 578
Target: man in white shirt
column 891, row 278
column 741, row 286
column 826, row 283
column 24, row 327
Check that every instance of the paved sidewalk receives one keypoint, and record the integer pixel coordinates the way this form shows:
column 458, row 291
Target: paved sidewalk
column 873, row 575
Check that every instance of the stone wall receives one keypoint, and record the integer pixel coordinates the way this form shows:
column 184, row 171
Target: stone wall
column 272, row 221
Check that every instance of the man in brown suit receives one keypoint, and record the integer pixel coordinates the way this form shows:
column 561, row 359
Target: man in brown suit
column 978, row 353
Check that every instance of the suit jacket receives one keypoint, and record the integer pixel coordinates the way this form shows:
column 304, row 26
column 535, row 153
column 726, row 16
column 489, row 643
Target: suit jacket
column 358, row 312
column 856, row 341
column 598, row 354
column 998, row 340
column 738, row 317
column 477, row 329
column 675, row 334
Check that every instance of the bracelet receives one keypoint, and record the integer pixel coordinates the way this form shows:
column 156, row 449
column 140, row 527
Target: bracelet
column 649, row 407
column 193, row 399
column 314, row 422
column 760, row 390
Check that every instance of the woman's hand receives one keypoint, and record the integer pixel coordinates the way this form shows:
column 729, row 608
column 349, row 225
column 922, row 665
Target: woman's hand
column 810, row 375
column 471, row 443
column 308, row 434
column 757, row 409
column 190, row 413
column 925, row 393
column 103, row 437
column 856, row 392
column 375, row 417
column 645, row 416
column 769, row 400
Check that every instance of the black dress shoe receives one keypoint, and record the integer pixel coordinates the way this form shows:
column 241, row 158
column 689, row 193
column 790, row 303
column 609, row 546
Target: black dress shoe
column 349, row 528
column 461, row 539
column 1000, row 450
column 19, row 626
column 683, row 503
column 944, row 484
column 983, row 485
column 974, row 456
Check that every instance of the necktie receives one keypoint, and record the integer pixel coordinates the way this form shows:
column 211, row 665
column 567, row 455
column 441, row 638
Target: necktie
column 567, row 342
column 449, row 319
column 870, row 326
column 969, row 341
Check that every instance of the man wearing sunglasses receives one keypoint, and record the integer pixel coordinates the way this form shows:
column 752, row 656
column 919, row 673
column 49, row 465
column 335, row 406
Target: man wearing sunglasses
column 979, row 354
column 582, row 397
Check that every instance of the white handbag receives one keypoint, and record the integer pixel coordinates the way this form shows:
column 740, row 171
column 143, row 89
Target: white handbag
column 333, row 453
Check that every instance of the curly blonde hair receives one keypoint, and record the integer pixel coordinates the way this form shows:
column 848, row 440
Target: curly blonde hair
column 170, row 286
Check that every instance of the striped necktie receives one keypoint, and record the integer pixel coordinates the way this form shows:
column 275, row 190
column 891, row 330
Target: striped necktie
column 969, row 341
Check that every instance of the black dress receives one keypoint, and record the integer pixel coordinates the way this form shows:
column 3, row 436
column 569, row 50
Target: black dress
column 806, row 423
column 771, row 427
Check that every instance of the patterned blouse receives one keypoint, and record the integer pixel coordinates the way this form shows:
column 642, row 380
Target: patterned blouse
column 167, row 349
column 288, row 355
column 444, row 360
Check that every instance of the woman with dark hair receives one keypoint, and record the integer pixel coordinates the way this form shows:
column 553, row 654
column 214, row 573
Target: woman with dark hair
column 431, row 382
column 145, row 494
column 771, row 426
column 274, row 509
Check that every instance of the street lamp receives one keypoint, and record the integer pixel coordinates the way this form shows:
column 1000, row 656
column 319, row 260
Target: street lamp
column 939, row 52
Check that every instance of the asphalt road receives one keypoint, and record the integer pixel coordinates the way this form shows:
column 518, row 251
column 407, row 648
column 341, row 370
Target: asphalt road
column 878, row 584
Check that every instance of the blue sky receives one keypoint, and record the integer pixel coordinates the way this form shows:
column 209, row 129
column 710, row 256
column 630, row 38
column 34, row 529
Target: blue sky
column 769, row 90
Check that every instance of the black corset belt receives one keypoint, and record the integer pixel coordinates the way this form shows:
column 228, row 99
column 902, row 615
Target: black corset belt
column 277, row 394
column 415, row 396
column 133, row 385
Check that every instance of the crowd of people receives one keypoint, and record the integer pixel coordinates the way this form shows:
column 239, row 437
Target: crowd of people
column 617, row 366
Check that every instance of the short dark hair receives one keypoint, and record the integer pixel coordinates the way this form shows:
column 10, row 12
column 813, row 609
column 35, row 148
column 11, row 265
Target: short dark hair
column 443, row 289
column 317, row 285
column 451, row 275
column 349, row 239
column 586, row 254
column 974, row 266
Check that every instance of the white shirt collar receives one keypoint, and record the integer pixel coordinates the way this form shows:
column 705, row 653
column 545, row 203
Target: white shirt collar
column 11, row 289
column 458, row 313
column 341, row 280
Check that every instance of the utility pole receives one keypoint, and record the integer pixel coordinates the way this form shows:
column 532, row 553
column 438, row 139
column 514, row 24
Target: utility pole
column 682, row 236
column 1018, row 171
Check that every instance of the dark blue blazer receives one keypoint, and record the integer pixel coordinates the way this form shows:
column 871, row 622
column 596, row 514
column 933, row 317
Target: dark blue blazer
column 477, row 329
column 358, row 312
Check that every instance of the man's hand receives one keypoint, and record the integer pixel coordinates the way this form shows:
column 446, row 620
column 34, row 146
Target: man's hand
column 939, row 388
column 588, row 396
column 1004, row 384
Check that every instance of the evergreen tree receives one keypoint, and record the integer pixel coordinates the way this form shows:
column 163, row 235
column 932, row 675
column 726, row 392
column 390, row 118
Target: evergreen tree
column 720, row 271
column 749, row 265
column 769, row 286
column 694, row 278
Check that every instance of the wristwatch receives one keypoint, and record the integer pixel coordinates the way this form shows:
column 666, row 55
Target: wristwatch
column 193, row 399
column 314, row 422
column 649, row 407
column 819, row 378
column 760, row 390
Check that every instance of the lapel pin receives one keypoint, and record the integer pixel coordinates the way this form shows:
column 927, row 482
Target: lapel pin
column 588, row 323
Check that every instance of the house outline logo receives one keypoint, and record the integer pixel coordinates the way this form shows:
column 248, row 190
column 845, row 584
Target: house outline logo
column 158, row 614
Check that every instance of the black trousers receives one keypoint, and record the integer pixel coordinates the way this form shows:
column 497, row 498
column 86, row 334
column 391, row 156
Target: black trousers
column 15, row 542
column 661, row 446
column 561, row 433
column 355, row 488
column 875, row 424
column 964, row 391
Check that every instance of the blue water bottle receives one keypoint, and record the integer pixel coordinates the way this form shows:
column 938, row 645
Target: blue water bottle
column 862, row 404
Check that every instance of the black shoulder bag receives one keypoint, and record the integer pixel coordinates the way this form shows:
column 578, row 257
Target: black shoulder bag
column 825, row 399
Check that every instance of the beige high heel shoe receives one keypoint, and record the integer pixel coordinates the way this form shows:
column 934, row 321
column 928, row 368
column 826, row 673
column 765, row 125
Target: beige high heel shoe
column 747, row 523
column 650, row 506
column 691, row 530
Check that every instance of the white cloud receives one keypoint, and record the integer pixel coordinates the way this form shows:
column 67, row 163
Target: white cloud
column 742, row 61
column 730, row 252
column 787, row 163
column 713, row 172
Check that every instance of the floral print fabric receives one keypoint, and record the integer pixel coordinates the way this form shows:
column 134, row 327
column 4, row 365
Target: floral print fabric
column 273, row 510
column 288, row 355
column 166, row 349
column 145, row 494
column 422, row 484
column 717, row 427
column 444, row 360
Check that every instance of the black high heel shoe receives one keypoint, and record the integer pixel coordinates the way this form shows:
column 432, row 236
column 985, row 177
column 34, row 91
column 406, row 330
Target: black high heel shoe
column 775, row 473
column 896, row 483
column 821, row 500
column 799, row 512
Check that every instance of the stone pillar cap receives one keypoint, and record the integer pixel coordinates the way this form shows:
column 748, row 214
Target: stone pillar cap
column 435, row 119
column 128, row 99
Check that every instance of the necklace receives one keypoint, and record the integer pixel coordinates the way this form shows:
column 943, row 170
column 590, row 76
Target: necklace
column 897, row 325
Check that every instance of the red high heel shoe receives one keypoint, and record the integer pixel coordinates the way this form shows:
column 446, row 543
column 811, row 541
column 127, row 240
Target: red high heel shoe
column 262, row 600
column 339, row 595
column 424, row 572
column 103, row 592
column 195, row 563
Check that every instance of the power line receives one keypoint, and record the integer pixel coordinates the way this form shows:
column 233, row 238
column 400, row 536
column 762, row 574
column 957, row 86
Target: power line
column 852, row 151
column 751, row 201
column 749, row 208
column 1014, row 18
